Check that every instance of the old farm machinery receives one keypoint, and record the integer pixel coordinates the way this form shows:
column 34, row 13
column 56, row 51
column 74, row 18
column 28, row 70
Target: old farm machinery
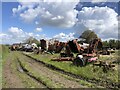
column 83, row 55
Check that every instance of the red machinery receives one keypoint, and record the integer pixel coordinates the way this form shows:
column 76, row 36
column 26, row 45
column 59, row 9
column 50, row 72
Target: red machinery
column 82, row 57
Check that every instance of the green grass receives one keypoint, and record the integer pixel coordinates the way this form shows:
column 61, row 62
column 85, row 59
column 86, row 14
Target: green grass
column 86, row 72
column 113, row 56
column 5, row 51
column 44, row 79
column 3, row 55
column 81, row 82
column 26, row 80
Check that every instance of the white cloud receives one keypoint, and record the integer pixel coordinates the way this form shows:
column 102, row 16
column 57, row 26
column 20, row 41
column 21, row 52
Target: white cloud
column 15, row 31
column 64, row 37
column 3, row 34
column 59, row 13
column 38, row 30
column 29, row 15
column 97, row 1
column 4, row 38
column 16, row 34
column 47, row 1
column 102, row 20
column 18, row 9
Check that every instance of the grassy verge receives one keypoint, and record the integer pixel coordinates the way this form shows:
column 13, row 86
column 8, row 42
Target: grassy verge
column 4, row 51
column 86, row 72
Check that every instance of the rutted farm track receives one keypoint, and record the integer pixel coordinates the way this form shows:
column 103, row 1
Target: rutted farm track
column 14, row 77
column 94, row 82
column 20, row 71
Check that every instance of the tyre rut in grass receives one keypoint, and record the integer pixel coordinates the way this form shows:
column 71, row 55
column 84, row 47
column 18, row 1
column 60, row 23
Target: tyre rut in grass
column 95, row 81
column 14, row 77
column 56, row 79
column 10, row 79
column 31, row 76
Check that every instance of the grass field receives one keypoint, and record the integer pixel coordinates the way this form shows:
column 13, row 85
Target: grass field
column 87, row 71
column 34, row 69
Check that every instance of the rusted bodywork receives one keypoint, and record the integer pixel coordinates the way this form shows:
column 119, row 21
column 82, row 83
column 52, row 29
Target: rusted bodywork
column 15, row 47
column 43, row 44
column 74, row 46
column 90, row 55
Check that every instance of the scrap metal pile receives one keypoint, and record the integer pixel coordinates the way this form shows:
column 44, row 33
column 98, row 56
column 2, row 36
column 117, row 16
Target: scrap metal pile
column 79, row 54
column 105, row 65
column 84, row 53
column 23, row 47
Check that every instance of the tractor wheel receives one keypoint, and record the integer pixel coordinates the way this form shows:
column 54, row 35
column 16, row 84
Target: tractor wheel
column 79, row 62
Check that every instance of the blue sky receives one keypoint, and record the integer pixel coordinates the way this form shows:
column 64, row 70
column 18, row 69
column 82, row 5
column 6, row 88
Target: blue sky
column 11, row 20
column 21, row 20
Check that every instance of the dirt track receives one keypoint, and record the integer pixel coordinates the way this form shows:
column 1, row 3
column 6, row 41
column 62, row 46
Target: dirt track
column 11, row 75
column 11, row 79
column 11, row 70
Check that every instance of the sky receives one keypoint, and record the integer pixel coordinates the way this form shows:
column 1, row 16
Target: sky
column 62, row 19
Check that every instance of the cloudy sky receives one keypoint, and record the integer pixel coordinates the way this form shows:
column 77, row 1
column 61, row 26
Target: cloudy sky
column 60, row 19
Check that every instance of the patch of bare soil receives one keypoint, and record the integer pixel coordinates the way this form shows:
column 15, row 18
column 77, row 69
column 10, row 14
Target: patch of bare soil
column 48, row 73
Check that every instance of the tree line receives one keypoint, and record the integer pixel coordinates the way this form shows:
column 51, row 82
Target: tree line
column 112, row 44
column 89, row 35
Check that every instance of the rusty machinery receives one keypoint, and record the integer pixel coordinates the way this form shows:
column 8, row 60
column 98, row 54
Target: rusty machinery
column 82, row 57
column 43, row 45
column 105, row 65
column 14, row 47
